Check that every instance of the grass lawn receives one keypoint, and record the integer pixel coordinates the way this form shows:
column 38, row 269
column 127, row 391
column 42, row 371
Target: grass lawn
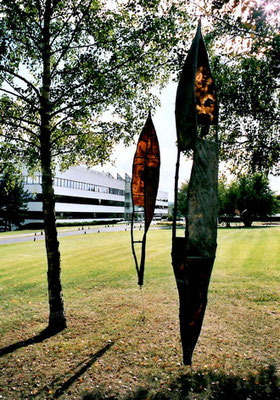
column 110, row 351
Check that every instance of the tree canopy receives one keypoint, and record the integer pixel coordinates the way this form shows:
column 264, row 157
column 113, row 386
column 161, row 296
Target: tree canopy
column 91, row 58
column 76, row 77
column 104, row 58
column 249, row 197
column 182, row 202
column 243, row 42
column 245, row 45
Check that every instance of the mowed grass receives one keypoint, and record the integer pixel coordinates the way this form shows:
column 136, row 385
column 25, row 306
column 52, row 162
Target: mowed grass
column 109, row 349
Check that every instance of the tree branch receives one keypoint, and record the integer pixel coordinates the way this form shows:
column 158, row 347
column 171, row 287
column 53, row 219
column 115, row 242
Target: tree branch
column 70, row 40
column 74, row 47
column 78, row 104
column 53, row 128
column 39, row 8
column 95, row 102
column 65, row 135
column 234, row 27
column 62, row 153
column 22, row 127
column 27, row 121
column 65, row 24
column 17, row 95
column 19, row 140
column 85, row 82
column 9, row 71
column 13, row 94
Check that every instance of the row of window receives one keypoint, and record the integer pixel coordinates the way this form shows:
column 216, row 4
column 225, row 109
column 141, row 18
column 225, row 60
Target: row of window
column 68, row 183
column 35, row 180
column 81, row 200
column 86, row 200
column 74, row 215
column 71, row 215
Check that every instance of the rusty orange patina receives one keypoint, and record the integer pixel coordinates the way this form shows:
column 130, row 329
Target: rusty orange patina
column 145, row 175
column 206, row 101
column 144, row 185
column 193, row 255
column 196, row 99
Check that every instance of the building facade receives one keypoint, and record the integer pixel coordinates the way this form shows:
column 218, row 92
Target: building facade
column 85, row 195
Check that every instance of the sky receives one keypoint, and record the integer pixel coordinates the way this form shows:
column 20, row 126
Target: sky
column 164, row 121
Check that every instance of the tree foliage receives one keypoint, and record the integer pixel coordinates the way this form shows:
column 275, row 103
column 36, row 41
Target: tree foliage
column 76, row 79
column 13, row 199
column 249, row 197
column 182, row 199
column 244, row 43
column 249, row 125
column 92, row 59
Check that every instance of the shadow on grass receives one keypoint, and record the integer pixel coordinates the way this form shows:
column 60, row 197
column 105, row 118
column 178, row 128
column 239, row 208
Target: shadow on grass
column 62, row 389
column 45, row 334
column 208, row 385
column 64, row 384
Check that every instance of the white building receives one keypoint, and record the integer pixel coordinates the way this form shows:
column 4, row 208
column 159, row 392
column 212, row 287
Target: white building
column 84, row 195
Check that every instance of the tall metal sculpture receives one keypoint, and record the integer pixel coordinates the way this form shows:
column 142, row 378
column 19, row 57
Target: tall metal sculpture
column 193, row 255
column 144, row 186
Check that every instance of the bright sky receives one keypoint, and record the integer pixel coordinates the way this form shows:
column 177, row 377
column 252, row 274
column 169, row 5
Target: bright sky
column 164, row 121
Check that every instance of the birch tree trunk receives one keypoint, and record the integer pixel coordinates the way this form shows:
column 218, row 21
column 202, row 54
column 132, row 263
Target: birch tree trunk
column 57, row 320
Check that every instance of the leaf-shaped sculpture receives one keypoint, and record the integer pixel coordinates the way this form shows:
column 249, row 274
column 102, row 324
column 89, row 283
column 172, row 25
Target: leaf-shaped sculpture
column 196, row 101
column 144, row 186
column 193, row 256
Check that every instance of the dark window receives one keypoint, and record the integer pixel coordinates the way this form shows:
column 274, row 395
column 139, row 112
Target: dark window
column 34, row 215
column 80, row 215
column 116, row 191
column 81, row 200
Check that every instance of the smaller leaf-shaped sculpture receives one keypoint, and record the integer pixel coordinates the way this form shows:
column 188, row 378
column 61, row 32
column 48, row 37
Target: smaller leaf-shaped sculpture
column 144, row 186
column 193, row 255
